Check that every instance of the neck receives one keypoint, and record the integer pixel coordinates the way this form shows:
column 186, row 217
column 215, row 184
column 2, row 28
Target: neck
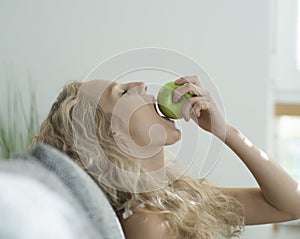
column 154, row 163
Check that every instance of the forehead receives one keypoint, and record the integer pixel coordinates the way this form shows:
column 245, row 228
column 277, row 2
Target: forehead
column 99, row 91
column 95, row 89
column 95, row 86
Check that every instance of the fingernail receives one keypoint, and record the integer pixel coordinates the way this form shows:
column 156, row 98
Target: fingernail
column 175, row 97
column 186, row 118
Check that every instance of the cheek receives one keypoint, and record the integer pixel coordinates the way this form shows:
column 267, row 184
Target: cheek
column 144, row 124
column 139, row 127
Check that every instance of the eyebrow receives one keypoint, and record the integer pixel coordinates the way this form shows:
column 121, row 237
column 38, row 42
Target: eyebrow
column 111, row 87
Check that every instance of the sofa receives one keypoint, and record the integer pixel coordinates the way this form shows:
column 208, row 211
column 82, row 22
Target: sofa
column 44, row 194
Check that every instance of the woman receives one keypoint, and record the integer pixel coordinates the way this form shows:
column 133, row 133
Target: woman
column 113, row 132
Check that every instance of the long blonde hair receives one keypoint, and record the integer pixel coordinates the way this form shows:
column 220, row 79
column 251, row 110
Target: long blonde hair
column 190, row 208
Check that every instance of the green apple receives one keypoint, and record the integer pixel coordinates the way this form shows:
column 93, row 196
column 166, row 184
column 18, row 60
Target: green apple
column 165, row 101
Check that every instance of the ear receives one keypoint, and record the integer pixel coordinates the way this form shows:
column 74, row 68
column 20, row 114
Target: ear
column 110, row 131
column 116, row 127
column 119, row 138
column 116, row 132
column 113, row 133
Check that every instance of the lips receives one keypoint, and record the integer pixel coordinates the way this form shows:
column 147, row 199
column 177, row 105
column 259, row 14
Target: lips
column 160, row 114
column 151, row 99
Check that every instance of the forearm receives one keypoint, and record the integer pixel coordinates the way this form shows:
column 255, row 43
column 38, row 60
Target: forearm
column 278, row 188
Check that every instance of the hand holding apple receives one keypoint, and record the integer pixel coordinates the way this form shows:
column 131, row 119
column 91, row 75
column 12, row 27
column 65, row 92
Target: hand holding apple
column 197, row 104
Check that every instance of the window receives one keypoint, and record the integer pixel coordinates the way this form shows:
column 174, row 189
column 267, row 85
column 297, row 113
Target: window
column 288, row 138
column 287, row 144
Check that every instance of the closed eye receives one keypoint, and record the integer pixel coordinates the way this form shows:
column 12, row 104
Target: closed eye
column 124, row 92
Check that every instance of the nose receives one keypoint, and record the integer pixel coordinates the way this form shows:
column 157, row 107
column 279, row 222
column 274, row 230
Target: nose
column 139, row 87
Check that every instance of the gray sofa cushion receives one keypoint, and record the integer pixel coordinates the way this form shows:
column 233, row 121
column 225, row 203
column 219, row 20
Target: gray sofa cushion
column 35, row 204
column 83, row 188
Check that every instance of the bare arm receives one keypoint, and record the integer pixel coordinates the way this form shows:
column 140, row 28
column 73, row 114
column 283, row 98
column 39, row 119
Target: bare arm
column 256, row 208
column 278, row 198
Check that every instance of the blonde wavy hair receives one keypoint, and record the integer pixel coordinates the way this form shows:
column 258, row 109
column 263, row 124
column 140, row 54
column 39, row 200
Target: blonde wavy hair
column 190, row 208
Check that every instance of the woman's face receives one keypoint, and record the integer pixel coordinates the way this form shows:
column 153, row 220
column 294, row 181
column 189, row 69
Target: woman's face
column 134, row 116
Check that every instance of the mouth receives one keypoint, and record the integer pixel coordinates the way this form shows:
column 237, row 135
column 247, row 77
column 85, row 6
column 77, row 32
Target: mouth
column 152, row 100
column 160, row 114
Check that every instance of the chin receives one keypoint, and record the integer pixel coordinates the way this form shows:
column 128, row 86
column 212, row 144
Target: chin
column 174, row 137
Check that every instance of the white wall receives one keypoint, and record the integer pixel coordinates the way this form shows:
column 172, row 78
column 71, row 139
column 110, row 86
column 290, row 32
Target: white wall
column 58, row 41
column 285, row 75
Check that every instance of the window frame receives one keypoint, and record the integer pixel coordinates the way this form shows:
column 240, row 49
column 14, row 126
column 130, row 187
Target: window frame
column 287, row 109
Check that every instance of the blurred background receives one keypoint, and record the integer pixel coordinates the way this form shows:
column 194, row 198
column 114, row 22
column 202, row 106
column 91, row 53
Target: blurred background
column 251, row 48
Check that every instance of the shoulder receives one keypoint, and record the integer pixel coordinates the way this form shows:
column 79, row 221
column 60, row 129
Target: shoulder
column 144, row 225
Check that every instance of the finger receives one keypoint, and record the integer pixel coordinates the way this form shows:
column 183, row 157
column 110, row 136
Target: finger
column 198, row 104
column 186, row 111
column 193, row 107
column 198, row 107
column 191, row 89
column 186, row 88
column 199, row 100
column 192, row 79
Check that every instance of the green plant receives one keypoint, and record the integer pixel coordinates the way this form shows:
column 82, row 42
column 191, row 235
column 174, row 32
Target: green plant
column 18, row 123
